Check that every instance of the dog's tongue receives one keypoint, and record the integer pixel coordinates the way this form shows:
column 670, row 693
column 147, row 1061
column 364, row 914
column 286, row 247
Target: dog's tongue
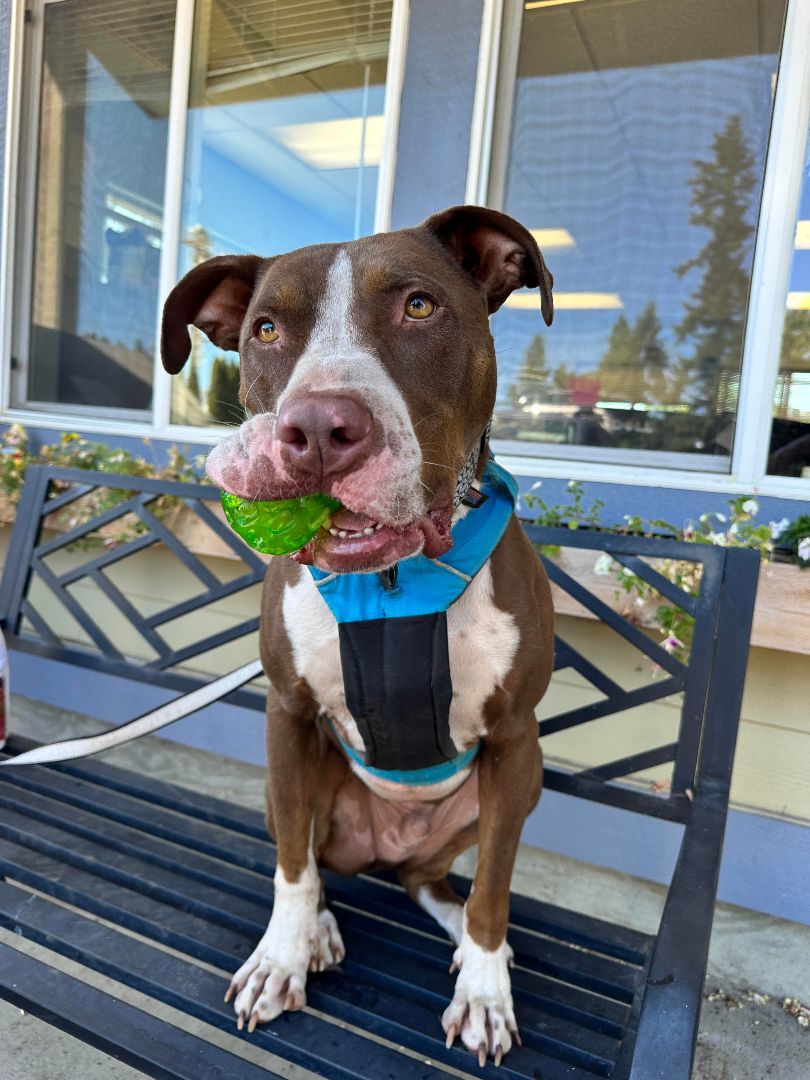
column 351, row 522
column 435, row 527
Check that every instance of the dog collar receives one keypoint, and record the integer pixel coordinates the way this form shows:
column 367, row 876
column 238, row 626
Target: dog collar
column 431, row 774
column 393, row 642
column 467, row 476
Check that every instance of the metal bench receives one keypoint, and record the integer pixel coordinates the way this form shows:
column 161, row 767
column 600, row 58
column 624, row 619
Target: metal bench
column 155, row 885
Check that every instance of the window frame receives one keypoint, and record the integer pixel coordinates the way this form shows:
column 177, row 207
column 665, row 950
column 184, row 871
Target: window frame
column 773, row 248
column 16, row 252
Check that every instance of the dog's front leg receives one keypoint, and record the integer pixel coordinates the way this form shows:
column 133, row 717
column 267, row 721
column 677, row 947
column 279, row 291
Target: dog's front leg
column 302, row 934
column 481, row 1010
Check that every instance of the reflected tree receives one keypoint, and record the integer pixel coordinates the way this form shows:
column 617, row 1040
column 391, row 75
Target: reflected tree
column 634, row 365
column 618, row 372
column 223, row 393
column 532, row 381
column 714, row 316
column 194, row 377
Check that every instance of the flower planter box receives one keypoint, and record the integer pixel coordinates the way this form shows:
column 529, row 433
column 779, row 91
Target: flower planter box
column 781, row 616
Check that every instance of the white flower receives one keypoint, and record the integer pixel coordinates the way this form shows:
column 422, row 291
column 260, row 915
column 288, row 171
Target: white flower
column 603, row 565
column 672, row 643
column 750, row 506
column 718, row 538
column 536, row 485
column 720, row 517
column 804, row 549
column 778, row 527
column 571, row 485
column 733, row 529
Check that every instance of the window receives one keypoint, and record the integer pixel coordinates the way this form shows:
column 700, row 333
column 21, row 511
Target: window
column 283, row 139
column 790, row 434
column 636, row 153
column 285, row 130
column 86, row 334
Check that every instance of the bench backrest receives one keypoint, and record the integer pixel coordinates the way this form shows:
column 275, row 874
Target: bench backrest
column 710, row 680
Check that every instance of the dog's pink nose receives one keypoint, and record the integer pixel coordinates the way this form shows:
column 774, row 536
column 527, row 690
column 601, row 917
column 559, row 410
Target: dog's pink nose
column 324, row 435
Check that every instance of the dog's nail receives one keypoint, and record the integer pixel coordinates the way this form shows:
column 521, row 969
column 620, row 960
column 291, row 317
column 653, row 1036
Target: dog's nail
column 482, row 1054
column 498, row 1056
column 451, row 1036
column 516, row 1036
column 252, row 1023
column 240, row 1021
column 453, row 967
column 228, row 994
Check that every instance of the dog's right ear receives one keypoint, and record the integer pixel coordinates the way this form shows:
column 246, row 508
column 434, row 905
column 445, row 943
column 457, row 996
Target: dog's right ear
column 214, row 297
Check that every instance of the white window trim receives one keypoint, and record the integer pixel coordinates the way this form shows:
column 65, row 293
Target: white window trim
column 489, row 144
column 120, row 421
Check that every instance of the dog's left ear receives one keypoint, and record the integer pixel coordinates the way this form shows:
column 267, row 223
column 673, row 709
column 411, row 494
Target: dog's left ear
column 497, row 251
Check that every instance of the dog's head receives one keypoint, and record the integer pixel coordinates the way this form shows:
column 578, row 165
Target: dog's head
column 367, row 370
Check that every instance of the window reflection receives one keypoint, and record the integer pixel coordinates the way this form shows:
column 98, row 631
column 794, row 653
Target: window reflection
column 284, row 139
column 639, row 133
column 790, row 434
column 104, row 97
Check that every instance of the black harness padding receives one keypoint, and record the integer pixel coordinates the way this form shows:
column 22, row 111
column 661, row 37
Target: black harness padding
column 396, row 675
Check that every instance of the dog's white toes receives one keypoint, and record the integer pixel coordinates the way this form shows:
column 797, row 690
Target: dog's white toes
column 485, row 1029
column 481, row 1011
column 327, row 947
column 269, row 991
column 273, row 979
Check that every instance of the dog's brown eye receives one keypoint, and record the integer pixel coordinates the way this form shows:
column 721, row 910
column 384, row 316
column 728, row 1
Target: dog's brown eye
column 419, row 307
column 267, row 332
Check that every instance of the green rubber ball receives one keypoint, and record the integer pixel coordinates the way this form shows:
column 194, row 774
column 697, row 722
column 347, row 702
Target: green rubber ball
column 281, row 526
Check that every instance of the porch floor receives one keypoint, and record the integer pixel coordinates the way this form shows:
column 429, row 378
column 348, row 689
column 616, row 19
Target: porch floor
column 755, row 961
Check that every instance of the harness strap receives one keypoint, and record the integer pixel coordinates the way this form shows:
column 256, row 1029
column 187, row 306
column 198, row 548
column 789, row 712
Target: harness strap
column 430, row 774
column 70, row 749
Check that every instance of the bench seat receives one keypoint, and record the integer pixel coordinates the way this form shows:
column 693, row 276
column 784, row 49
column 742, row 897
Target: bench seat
column 193, row 874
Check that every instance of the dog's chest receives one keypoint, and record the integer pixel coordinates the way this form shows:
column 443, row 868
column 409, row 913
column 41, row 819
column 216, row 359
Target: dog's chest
column 482, row 642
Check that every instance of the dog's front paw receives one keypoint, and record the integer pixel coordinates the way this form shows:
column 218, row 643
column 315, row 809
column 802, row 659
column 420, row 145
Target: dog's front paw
column 481, row 1011
column 273, row 978
column 327, row 946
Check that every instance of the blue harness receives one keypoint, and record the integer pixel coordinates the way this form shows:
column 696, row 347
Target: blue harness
column 393, row 645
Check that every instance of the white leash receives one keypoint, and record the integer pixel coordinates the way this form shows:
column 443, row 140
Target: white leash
column 70, row 749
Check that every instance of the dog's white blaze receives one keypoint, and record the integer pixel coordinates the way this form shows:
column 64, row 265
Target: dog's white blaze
column 447, row 914
column 482, row 642
column 336, row 360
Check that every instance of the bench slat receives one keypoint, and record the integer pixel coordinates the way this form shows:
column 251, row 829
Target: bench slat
column 125, row 1032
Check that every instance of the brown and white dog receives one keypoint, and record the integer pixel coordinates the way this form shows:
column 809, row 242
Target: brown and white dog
column 368, row 373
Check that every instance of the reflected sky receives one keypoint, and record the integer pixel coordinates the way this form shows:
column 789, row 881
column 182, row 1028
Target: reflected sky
column 608, row 156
